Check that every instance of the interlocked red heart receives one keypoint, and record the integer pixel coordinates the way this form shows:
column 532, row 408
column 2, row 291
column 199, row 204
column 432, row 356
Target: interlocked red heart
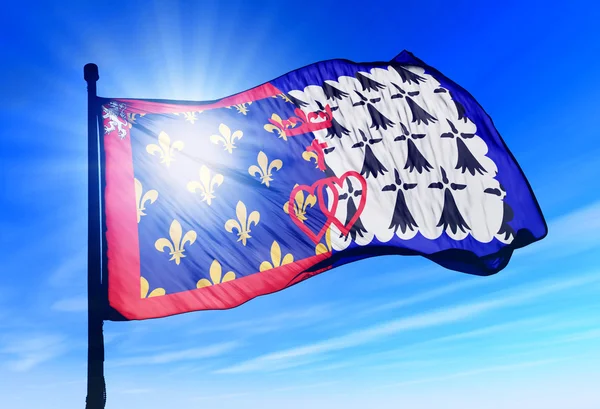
column 318, row 189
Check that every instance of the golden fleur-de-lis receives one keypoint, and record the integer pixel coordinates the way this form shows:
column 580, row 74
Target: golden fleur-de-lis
column 276, row 260
column 243, row 223
column 308, row 155
column 226, row 138
column 177, row 243
column 279, row 130
column 216, row 272
column 189, row 116
column 132, row 117
column 150, row 195
column 145, row 287
column 301, row 204
column 282, row 96
column 241, row 108
column 164, row 148
column 207, row 184
column 324, row 248
column 264, row 168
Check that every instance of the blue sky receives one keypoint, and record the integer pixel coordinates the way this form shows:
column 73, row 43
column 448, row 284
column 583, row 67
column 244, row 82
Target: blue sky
column 388, row 332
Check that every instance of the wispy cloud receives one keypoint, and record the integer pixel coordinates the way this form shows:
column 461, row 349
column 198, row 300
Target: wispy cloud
column 210, row 351
column 220, row 396
column 569, row 234
column 391, row 357
column 435, row 318
column 306, row 386
column 401, row 277
column 69, row 269
column 494, row 368
column 137, row 391
column 26, row 352
column 566, row 322
column 330, row 367
column 397, row 356
column 426, row 320
column 426, row 296
column 579, row 336
column 56, row 385
column 72, row 304
column 275, row 322
column 407, row 364
column 224, row 396
column 488, row 330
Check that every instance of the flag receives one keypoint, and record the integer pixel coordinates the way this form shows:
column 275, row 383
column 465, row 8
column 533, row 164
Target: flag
column 211, row 204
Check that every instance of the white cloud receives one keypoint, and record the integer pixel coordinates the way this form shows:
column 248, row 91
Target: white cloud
column 176, row 356
column 227, row 396
column 137, row 391
column 27, row 352
column 306, row 386
column 73, row 304
column 491, row 329
column 57, row 385
column 220, row 397
column 64, row 274
column 425, row 320
column 330, row 367
column 427, row 295
column 366, row 361
column 566, row 322
column 422, row 273
column 564, row 339
column 407, row 364
column 581, row 336
column 495, row 368
column 275, row 322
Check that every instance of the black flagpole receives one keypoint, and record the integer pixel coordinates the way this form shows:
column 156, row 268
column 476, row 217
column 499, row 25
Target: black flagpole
column 96, row 394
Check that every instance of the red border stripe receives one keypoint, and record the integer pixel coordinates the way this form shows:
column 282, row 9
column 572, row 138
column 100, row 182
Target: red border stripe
column 124, row 255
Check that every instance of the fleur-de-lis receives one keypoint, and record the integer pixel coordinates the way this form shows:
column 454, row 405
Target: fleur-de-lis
column 244, row 222
column 177, row 243
column 276, row 260
column 150, row 195
column 324, row 248
column 264, row 168
column 282, row 96
column 226, row 137
column 206, row 184
column 241, row 108
column 301, row 204
column 277, row 129
column 164, row 148
column 189, row 116
column 145, row 287
column 132, row 117
column 216, row 271
column 309, row 155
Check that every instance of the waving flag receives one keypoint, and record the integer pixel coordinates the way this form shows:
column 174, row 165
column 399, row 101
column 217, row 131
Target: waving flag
column 210, row 204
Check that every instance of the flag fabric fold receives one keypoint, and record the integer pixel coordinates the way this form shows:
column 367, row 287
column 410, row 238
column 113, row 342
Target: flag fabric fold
column 210, row 204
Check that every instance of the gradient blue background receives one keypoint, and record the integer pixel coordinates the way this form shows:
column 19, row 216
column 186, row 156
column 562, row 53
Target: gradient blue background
column 407, row 334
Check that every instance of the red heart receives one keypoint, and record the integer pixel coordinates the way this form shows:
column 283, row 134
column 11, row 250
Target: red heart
column 344, row 229
column 311, row 191
column 317, row 189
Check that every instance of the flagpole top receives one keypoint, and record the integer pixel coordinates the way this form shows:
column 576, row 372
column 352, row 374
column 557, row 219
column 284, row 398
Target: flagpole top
column 90, row 72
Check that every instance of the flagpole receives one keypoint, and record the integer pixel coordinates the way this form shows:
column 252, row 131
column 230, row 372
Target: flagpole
column 96, row 394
